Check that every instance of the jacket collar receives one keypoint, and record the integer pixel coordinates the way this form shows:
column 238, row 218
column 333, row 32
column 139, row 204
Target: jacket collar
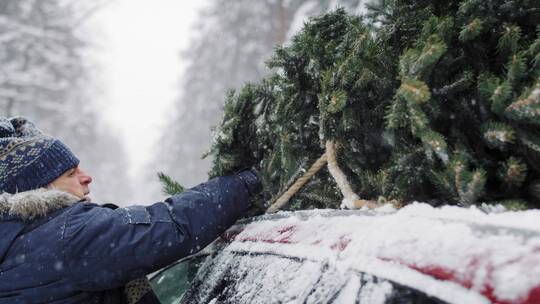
column 31, row 204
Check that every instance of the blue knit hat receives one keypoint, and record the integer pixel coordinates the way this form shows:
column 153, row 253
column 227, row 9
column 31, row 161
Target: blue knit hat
column 30, row 159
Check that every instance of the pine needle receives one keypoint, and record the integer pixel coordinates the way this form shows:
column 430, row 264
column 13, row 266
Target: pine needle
column 170, row 186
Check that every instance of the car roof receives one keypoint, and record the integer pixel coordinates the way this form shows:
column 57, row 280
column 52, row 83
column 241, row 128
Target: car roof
column 460, row 255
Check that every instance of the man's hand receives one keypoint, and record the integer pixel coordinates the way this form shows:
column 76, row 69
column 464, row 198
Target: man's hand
column 252, row 179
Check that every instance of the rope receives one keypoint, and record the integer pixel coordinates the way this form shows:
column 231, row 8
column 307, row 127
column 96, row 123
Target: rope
column 284, row 198
column 350, row 199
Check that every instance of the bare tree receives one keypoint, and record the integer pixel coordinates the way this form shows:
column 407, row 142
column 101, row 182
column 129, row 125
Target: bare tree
column 45, row 75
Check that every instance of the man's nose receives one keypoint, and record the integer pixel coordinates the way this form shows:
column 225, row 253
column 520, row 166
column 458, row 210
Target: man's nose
column 85, row 178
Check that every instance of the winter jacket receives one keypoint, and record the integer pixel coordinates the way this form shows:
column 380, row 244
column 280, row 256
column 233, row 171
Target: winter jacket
column 55, row 249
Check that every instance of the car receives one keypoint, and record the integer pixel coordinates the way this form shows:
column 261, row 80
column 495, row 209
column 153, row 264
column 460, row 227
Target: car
column 417, row 254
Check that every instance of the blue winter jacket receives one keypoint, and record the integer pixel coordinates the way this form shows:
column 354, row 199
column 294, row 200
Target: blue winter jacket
column 54, row 249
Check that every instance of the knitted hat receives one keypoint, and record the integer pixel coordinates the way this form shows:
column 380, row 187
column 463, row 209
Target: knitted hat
column 30, row 159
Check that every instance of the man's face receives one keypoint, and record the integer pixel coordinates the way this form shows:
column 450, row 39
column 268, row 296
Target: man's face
column 74, row 181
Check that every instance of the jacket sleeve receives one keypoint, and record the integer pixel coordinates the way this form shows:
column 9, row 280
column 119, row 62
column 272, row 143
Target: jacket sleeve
column 106, row 248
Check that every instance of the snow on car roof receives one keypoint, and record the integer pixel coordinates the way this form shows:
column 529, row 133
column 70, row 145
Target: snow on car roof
column 460, row 255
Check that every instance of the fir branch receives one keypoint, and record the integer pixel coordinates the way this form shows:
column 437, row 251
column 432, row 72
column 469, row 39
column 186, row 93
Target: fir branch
column 436, row 143
column 418, row 119
column 396, row 114
column 514, row 204
column 508, row 42
column 414, row 91
column 497, row 134
column 169, row 186
column 471, row 191
column 512, row 172
column 440, row 26
column 336, row 101
column 430, row 54
column 468, row 7
column 534, row 48
column 487, row 83
column 530, row 139
column 527, row 107
column 471, row 30
column 445, row 185
column 534, row 53
column 501, row 97
column 516, row 67
column 325, row 201
column 460, row 84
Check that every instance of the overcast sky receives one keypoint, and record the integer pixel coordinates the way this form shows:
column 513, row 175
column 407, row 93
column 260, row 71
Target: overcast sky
column 139, row 45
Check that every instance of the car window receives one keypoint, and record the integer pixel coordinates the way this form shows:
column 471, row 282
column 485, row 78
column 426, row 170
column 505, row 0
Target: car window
column 269, row 278
column 243, row 278
column 365, row 288
column 170, row 284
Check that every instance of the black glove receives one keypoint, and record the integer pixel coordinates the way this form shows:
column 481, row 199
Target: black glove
column 252, row 180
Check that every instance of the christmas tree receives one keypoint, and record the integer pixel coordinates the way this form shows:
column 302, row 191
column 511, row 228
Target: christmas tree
column 424, row 100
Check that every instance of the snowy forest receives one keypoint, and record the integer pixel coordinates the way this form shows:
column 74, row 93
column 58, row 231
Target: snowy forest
column 48, row 77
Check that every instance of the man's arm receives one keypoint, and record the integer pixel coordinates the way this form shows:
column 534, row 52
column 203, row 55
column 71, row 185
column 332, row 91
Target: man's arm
column 107, row 248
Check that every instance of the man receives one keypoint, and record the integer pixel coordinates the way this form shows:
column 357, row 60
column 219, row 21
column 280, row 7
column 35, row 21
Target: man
column 58, row 247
